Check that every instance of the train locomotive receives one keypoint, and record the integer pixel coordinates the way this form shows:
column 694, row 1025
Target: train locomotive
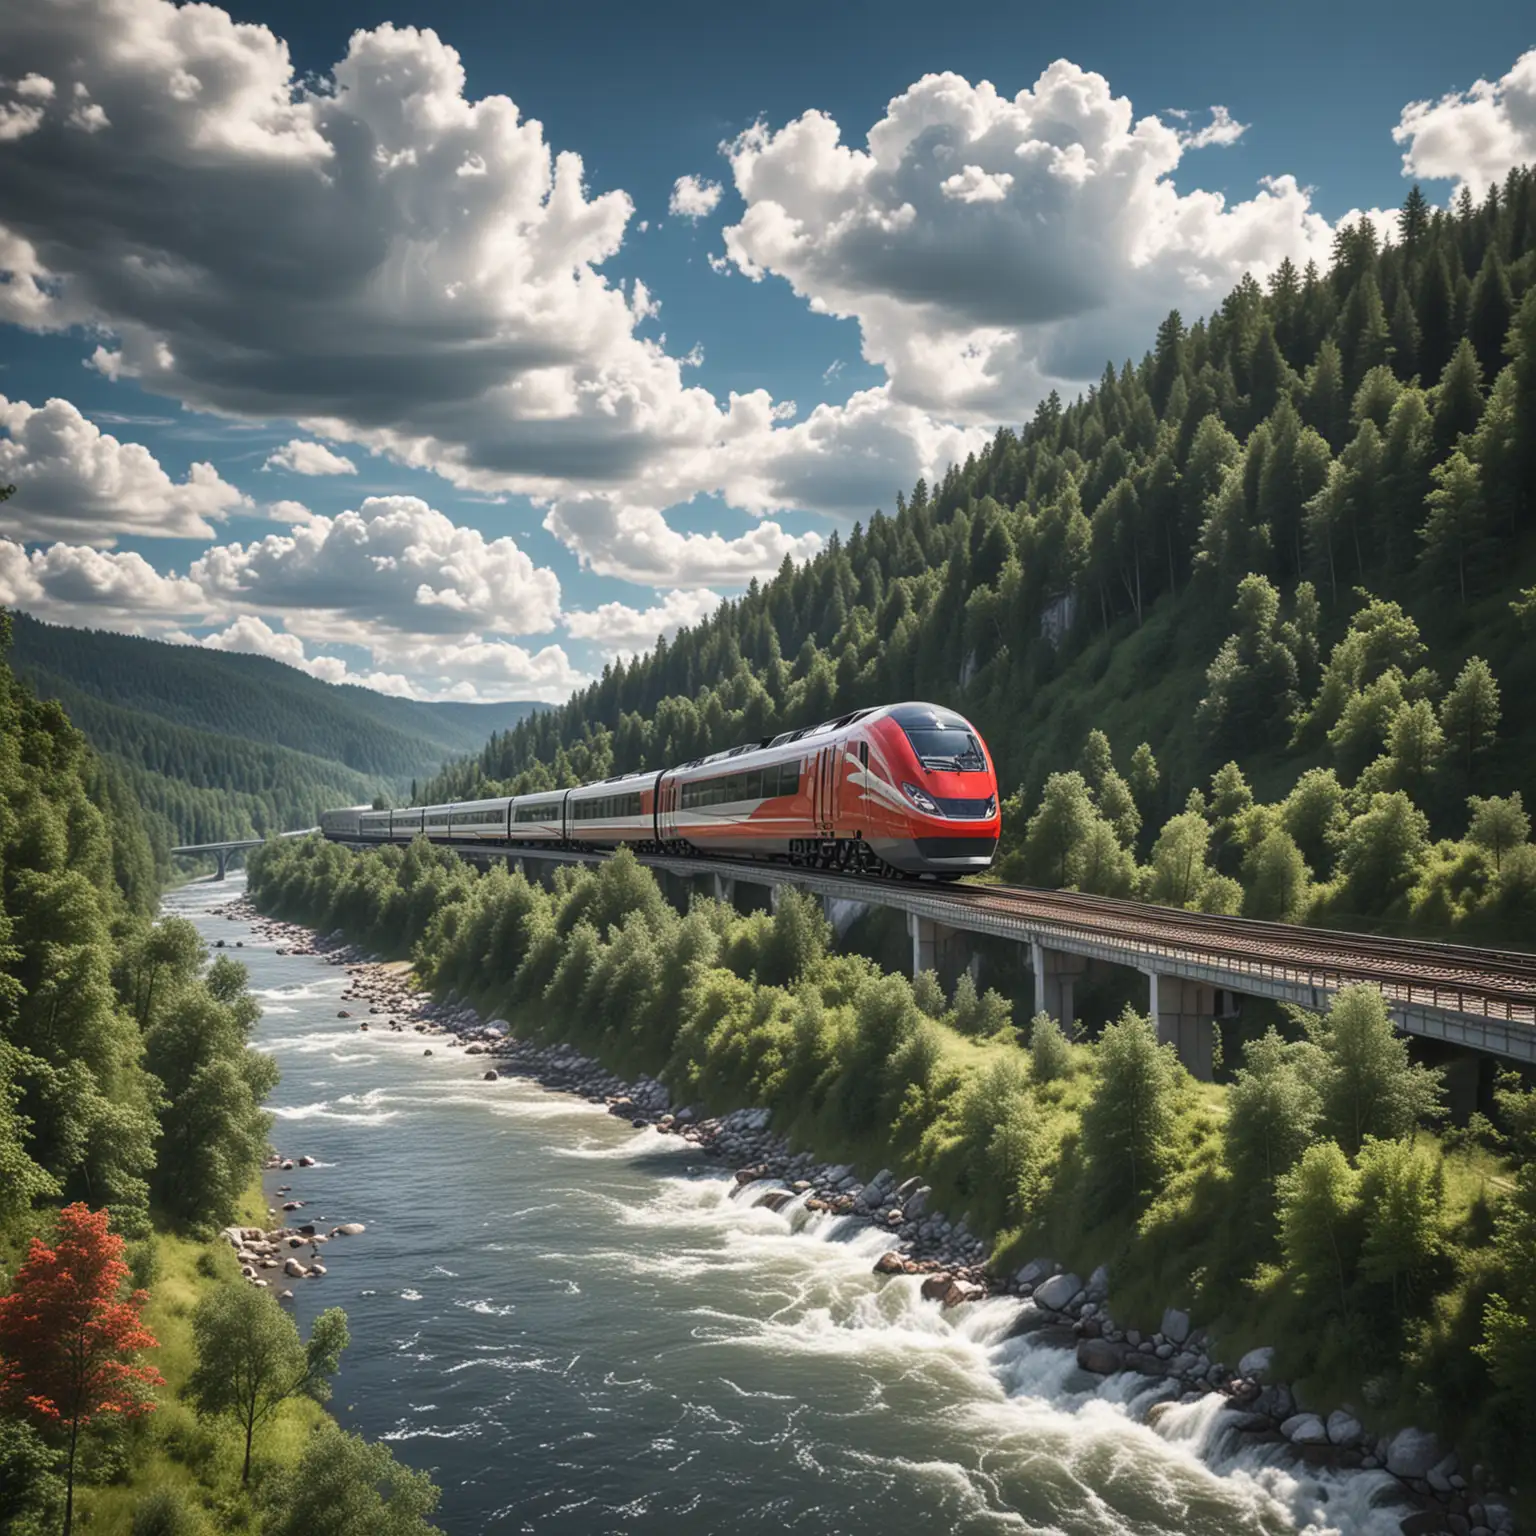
column 898, row 790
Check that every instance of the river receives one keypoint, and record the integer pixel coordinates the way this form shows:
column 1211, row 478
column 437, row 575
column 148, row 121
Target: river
column 573, row 1327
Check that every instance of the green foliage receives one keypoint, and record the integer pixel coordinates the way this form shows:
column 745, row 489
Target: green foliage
column 250, row 1359
column 1402, row 1192
column 1272, row 1111
column 1369, row 1086
column 31, row 1490
column 1128, row 1120
column 1319, row 1204
column 1499, row 824
column 345, row 1486
column 1050, row 1052
column 166, row 1512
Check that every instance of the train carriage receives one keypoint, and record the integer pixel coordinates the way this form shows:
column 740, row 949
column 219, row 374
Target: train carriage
column 539, row 818
column 406, row 825
column 613, row 811
column 341, row 824
column 479, row 821
column 373, row 826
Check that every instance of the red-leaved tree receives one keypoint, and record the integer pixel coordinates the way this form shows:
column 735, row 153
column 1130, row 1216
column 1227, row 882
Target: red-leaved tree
column 70, row 1338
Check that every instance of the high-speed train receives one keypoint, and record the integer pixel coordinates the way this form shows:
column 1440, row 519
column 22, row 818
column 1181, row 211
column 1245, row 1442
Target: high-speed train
column 905, row 789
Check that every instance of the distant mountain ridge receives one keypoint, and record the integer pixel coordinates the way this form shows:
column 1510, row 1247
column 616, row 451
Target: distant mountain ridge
column 223, row 744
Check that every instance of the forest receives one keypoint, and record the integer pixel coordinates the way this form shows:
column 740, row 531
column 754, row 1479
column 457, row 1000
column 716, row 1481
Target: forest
column 216, row 744
column 1317, row 1202
column 132, row 1127
column 1245, row 626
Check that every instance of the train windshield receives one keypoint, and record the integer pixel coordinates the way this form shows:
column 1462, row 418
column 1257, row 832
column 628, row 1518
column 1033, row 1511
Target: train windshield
column 941, row 740
column 955, row 750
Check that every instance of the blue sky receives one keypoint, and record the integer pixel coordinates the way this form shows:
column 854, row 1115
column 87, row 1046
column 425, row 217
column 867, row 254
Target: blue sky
column 569, row 406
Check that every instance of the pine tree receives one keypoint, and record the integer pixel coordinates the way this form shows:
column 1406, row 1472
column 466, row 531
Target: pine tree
column 1436, row 315
column 1454, row 534
column 1489, row 312
column 1458, row 398
column 1469, row 715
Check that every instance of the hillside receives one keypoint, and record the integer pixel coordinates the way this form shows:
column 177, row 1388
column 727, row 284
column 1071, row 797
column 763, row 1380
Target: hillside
column 220, row 744
column 1277, row 542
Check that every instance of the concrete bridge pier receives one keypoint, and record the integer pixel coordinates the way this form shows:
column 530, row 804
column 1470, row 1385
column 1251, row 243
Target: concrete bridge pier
column 1056, row 971
column 937, row 947
column 724, row 888
column 842, row 912
column 1183, row 1011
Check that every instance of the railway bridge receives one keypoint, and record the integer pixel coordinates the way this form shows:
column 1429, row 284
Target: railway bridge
column 222, row 851
column 1477, row 999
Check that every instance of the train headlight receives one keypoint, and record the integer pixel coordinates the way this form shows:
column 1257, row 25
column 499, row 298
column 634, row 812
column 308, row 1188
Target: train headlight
column 923, row 802
column 991, row 809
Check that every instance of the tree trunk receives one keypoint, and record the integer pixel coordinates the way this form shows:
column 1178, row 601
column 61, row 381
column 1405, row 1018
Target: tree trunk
column 245, row 1471
column 69, row 1493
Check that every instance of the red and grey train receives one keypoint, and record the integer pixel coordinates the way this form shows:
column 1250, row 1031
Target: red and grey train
column 904, row 789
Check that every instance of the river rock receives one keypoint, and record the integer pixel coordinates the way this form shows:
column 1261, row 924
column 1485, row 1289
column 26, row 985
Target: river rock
column 1056, row 1292
column 936, row 1285
column 1305, row 1429
column 1033, row 1272
column 958, row 1292
column 306, row 1161
column 348, row 1229
column 1412, row 1452
column 890, row 1263
column 1175, row 1325
column 1100, row 1356
column 491, row 1076
column 1423, row 1522
column 294, row 1268
column 1256, row 1362
column 1344, row 1428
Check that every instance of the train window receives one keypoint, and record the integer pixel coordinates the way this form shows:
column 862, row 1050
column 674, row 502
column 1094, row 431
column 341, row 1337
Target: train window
column 606, row 808
column 864, row 754
column 537, row 813
column 734, row 788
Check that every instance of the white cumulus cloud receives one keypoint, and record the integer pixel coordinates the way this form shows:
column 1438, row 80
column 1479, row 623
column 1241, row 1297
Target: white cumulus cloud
column 377, row 255
column 1473, row 137
column 393, row 564
column 305, row 458
column 620, row 630
column 74, row 479
column 992, row 246
column 694, row 198
column 1223, row 129
column 73, row 584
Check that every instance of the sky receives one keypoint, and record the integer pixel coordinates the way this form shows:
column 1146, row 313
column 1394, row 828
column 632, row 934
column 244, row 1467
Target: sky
column 457, row 349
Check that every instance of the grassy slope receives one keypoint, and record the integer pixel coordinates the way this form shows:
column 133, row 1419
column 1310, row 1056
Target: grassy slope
column 171, row 1447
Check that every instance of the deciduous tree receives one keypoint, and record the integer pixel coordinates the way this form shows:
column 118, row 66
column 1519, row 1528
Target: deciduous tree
column 71, row 1339
column 250, row 1359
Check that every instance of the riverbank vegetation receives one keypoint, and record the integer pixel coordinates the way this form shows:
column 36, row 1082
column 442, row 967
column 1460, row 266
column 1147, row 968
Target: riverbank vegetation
column 131, row 1129
column 1317, row 1204
column 1283, row 568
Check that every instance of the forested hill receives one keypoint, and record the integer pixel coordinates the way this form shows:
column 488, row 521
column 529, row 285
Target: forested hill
column 220, row 744
column 1359, row 442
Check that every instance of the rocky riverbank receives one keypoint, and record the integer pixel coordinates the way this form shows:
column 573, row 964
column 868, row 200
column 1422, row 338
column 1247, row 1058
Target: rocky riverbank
column 1438, row 1494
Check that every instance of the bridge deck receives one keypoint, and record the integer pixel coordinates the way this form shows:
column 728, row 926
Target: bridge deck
column 1483, row 999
